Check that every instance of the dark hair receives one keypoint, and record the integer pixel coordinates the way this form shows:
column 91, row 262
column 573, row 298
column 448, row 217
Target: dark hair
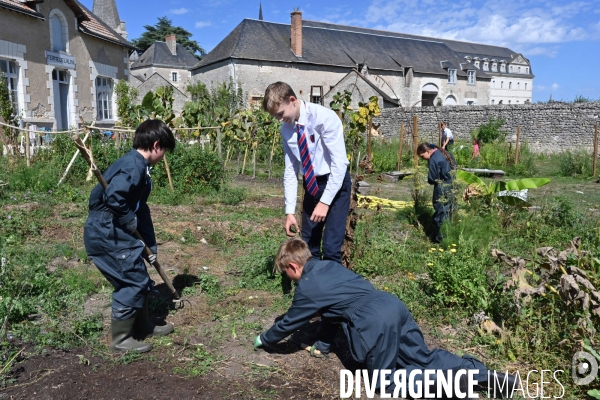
column 153, row 130
column 424, row 147
column 277, row 93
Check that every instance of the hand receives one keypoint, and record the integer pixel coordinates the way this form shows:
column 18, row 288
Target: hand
column 257, row 343
column 131, row 226
column 320, row 212
column 290, row 221
column 152, row 258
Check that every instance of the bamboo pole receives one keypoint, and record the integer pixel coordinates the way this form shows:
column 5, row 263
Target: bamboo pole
column 517, row 145
column 253, row 162
column 400, row 146
column 272, row 154
column 118, row 140
column 27, row 147
column 87, row 134
column 595, row 161
column 168, row 172
column 440, row 134
column 244, row 163
column 415, row 139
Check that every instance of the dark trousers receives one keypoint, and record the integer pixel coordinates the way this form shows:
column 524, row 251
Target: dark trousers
column 333, row 230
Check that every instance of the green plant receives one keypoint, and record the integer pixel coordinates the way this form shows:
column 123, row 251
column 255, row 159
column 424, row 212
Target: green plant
column 128, row 112
column 490, row 131
column 7, row 109
column 574, row 163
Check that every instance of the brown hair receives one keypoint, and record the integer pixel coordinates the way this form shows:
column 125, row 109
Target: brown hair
column 424, row 147
column 292, row 250
column 277, row 93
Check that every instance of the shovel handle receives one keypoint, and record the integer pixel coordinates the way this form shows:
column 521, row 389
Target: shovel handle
column 86, row 155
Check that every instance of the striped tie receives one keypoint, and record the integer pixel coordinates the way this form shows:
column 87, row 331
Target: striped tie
column 310, row 180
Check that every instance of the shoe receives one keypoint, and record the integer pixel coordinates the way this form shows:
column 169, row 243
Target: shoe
column 502, row 386
column 143, row 325
column 121, row 337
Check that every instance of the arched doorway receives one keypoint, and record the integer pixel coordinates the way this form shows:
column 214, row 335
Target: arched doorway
column 450, row 101
column 428, row 95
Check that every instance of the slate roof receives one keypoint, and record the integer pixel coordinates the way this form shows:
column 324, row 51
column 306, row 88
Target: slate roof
column 347, row 46
column 88, row 23
column 386, row 98
column 159, row 55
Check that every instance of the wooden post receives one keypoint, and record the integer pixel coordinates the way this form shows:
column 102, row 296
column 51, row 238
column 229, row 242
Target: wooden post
column 87, row 134
column 517, row 145
column 27, row 147
column 595, row 161
column 219, row 142
column 117, row 139
column 369, row 125
column 415, row 139
column 440, row 134
column 400, row 146
column 168, row 172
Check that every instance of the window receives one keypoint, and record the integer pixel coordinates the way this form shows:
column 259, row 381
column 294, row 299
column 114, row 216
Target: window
column 511, row 68
column 510, row 85
column 494, row 67
column 9, row 69
column 509, row 102
column 493, row 101
column 476, row 64
column 525, row 86
column 174, row 76
column 104, row 93
column 58, row 29
column 518, row 85
column 502, row 85
column 256, row 101
column 519, row 69
column 316, row 94
column 471, row 77
column 493, row 84
column 485, row 66
column 526, row 70
column 451, row 76
column 502, row 68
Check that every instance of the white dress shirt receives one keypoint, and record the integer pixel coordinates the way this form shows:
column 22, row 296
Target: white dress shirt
column 325, row 138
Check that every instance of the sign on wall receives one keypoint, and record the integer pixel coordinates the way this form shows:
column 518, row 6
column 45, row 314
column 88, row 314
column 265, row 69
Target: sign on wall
column 60, row 60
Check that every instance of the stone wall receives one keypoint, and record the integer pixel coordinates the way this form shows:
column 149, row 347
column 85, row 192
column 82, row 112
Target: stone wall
column 548, row 127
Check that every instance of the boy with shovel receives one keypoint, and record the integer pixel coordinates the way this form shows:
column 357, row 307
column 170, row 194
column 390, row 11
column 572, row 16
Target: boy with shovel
column 114, row 215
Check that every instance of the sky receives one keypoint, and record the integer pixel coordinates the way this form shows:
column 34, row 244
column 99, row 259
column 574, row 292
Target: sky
column 560, row 38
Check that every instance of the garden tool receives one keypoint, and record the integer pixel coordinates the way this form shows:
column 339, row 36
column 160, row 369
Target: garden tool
column 86, row 155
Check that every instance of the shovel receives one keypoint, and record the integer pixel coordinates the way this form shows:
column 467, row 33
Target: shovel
column 84, row 152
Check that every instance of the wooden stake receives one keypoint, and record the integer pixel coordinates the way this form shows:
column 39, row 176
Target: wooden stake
column 440, row 134
column 415, row 139
column 168, row 172
column 219, row 142
column 118, row 140
column 87, row 134
column 369, row 126
column 27, row 148
column 517, row 145
column 400, row 146
column 595, row 161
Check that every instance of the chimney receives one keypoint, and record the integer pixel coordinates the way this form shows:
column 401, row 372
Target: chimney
column 297, row 32
column 172, row 43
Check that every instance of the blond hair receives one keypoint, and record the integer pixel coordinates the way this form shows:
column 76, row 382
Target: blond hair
column 277, row 93
column 292, row 250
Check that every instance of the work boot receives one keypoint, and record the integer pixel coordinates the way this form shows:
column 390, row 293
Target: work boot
column 145, row 327
column 121, row 337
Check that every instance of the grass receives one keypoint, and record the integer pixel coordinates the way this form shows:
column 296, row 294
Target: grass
column 242, row 225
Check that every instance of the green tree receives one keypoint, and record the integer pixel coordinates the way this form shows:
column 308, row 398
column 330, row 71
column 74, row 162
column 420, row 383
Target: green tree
column 7, row 111
column 164, row 27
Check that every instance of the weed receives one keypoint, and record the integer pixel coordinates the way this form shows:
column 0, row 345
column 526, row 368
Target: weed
column 200, row 364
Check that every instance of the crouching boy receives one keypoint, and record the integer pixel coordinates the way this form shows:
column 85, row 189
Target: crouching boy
column 115, row 213
column 380, row 330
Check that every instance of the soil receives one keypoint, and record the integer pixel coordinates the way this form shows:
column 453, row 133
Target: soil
column 236, row 370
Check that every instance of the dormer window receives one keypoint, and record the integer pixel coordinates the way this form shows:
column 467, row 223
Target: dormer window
column 502, row 68
column 494, row 67
column 468, row 59
column 486, row 66
column 451, row 76
column 471, row 77
column 519, row 69
column 476, row 63
column 526, row 70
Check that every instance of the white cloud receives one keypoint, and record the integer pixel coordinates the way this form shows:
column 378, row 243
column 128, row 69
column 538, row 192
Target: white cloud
column 511, row 23
column 203, row 24
column 179, row 11
column 555, row 87
column 540, row 88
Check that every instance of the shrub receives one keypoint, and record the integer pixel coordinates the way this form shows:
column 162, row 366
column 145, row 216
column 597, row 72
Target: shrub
column 490, row 131
column 577, row 163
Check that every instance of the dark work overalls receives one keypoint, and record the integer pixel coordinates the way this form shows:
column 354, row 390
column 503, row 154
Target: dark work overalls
column 380, row 330
column 116, row 252
column 443, row 199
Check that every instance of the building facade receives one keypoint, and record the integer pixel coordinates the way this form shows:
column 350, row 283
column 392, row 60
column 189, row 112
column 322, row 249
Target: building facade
column 61, row 61
column 315, row 58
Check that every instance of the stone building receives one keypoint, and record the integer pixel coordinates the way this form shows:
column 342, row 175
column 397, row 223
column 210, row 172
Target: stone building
column 61, row 61
column 315, row 57
column 169, row 59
